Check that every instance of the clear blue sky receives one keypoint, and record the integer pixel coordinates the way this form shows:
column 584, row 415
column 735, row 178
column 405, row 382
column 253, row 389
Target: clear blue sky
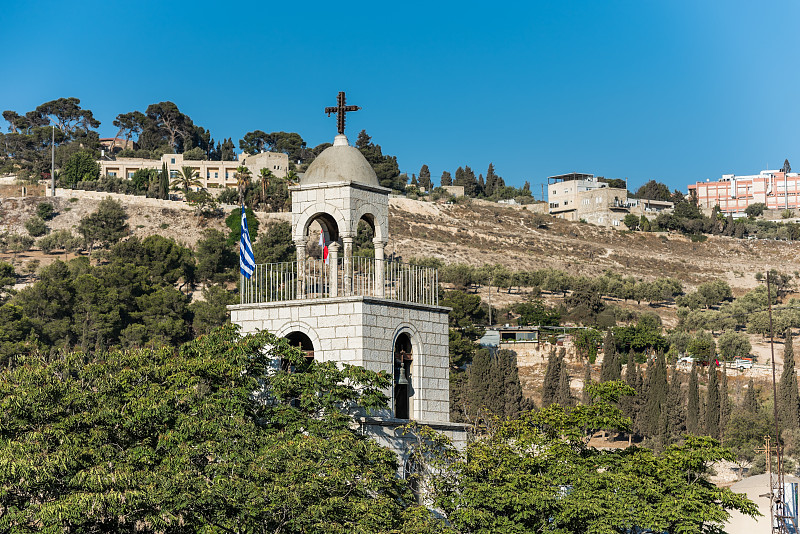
column 675, row 90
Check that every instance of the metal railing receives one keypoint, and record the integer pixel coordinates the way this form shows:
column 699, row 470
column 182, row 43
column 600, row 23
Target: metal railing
column 314, row 279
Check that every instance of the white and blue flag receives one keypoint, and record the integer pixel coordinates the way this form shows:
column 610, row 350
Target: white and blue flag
column 247, row 261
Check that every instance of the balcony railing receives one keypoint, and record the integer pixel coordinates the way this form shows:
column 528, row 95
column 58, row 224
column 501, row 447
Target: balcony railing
column 359, row 277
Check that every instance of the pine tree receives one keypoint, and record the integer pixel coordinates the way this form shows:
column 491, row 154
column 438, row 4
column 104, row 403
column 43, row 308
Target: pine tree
column 657, row 390
column 587, row 379
column 609, row 369
column 414, row 180
column 693, row 404
column 446, row 179
column 564, row 395
column 750, row 402
column 551, row 375
column 724, row 402
column 788, row 397
column 712, row 402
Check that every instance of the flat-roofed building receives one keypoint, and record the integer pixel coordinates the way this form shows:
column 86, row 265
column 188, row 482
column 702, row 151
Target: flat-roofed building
column 733, row 194
column 212, row 174
column 580, row 196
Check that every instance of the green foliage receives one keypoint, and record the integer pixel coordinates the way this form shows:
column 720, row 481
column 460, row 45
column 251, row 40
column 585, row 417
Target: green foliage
column 185, row 180
column 211, row 312
column 733, row 345
column 755, row 210
column 536, row 313
column 461, row 348
column 631, row 221
column 106, row 225
column 653, row 190
column 234, row 223
column 587, row 342
column 275, row 245
column 385, row 167
column 156, row 435
column 45, row 211
column 215, row 258
column 80, row 166
column 538, row 474
column 788, row 396
column 59, row 240
column 36, row 226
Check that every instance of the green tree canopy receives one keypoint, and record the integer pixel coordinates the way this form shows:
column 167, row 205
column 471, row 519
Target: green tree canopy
column 106, row 225
column 175, row 441
column 80, row 166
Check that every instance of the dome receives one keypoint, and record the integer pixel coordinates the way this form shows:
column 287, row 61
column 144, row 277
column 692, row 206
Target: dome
column 340, row 163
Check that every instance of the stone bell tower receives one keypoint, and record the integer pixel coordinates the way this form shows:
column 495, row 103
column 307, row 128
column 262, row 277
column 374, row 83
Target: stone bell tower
column 379, row 314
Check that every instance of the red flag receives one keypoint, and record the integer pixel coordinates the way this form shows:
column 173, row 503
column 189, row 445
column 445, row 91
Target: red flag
column 323, row 245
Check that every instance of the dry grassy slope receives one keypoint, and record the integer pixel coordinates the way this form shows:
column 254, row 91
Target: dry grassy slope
column 483, row 232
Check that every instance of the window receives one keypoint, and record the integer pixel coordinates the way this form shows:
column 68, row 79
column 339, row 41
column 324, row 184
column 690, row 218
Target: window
column 172, row 161
column 130, row 175
column 226, row 175
column 216, row 175
column 615, row 222
column 113, row 174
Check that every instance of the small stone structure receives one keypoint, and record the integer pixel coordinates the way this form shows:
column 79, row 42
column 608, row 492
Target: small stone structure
column 372, row 312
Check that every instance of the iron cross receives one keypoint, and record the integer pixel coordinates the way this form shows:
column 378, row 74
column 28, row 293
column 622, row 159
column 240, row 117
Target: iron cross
column 341, row 109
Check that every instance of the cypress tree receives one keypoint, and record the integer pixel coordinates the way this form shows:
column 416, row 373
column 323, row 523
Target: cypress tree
column 564, row 394
column 425, row 178
column 750, row 402
column 628, row 404
column 481, row 185
column 446, row 178
column 788, row 397
column 514, row 402
column 479, row 375
column 609, row 369
column 657, row 390
column 712, row 402
column 724, row 402
column 491, row 178
column 638, row 402
column 675, row 417
column 587, row 379
column 551, row 375
column 693, row 404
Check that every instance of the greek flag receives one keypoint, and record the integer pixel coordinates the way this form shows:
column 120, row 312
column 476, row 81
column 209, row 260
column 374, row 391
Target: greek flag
column 247, row 262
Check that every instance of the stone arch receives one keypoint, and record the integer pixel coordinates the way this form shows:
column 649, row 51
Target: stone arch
column 305, row 329
column 405, row 346
column 332, row 218
column 379, row 223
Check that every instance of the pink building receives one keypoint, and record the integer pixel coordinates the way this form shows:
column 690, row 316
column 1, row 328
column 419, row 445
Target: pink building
column 776, row 189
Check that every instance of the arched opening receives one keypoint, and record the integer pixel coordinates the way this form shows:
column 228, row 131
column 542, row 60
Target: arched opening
column 365, row 233
column 402, row 376
column 302, row 342
column 320, row 232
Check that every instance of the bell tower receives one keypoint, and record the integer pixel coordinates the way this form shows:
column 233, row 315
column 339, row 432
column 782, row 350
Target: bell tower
column 380, row 314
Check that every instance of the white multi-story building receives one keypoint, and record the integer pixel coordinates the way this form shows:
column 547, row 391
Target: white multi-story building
column 212, row 174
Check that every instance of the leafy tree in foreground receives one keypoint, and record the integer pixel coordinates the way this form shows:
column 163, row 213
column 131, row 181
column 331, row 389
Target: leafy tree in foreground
column 538, row 474
column 80, row 166
column 175, row 441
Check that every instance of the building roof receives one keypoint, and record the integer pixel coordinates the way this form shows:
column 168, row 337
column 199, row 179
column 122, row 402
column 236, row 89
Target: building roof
column 340, row 163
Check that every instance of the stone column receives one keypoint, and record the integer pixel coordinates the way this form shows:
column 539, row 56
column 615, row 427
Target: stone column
column 348, row 264
column 333, row 268
column 301, row 267
column 379, row 267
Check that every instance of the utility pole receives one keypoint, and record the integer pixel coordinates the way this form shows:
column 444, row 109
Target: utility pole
column 53, row 163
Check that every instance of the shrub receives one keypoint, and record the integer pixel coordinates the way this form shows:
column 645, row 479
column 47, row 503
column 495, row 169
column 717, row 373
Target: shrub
column 45, row 211
column 36, row 227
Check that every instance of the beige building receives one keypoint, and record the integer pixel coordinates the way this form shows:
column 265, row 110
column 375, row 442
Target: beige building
column 579, row 196
column 213, row 174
